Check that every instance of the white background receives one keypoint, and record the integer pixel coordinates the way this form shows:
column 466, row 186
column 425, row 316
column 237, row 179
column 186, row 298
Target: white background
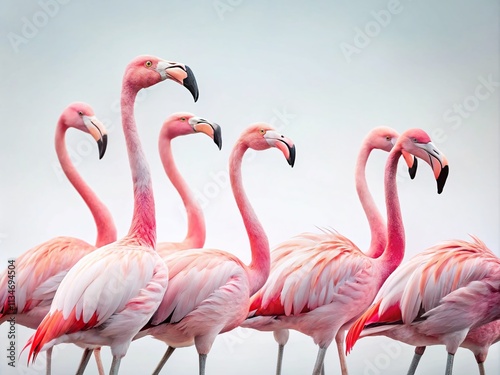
column 280, row 62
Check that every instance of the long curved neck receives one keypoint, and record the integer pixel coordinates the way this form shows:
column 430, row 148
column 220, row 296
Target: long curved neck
column 395, row 248
column 260, row 265
column 106, row 230
column 378, row 228
column 143, row 227
column 195, row 237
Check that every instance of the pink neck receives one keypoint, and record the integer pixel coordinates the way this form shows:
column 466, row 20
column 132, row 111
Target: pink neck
column 106, row 230
column 378, row 228
column 394, row 251
column 143, row 227
column 259, row 268
column 196, row 233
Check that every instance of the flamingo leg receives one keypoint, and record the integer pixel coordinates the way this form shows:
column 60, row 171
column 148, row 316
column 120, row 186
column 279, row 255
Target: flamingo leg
column 419, row 351
column 323, row 369
column 339, row 339
column 280, row 359
column 319, row 361
column 481, row 368
column 203, row 361
column 48, row 369
column 163, row 360
column 449, row 364
column 115, row 366
column 98, row 361
column 84, row 361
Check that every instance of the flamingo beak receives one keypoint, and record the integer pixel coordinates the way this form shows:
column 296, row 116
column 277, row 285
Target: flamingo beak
column 284, row 144
column 211, row 129
column 179, row 73
column 412, row 163
column 438, row 163
column 98, row 132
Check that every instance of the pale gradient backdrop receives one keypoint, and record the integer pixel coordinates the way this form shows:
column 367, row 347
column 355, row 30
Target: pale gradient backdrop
column 323, row 72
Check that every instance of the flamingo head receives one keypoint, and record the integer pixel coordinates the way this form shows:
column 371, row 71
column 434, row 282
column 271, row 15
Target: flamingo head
column 384, row 138
column 183, row 123
column 418, row 143
column 262, row 136
column 81, row 116
column 145, row 71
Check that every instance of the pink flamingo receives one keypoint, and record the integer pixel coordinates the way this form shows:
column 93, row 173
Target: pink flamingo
column 382, row 138
column 443, row 295
column 40, row 269
column 209, row 290
column 321, row 283
column 176, row 125
column 112, row 292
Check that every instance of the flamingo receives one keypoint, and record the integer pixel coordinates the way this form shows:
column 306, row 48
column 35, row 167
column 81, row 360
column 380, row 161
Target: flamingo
column 444, row 295
column 382, row 138
column 209, row 290
column 112, row 292
column 320, row 283
column 40, row 269
column 179, row 124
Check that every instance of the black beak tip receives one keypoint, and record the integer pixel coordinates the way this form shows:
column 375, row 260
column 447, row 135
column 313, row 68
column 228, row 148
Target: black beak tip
column 102, row 144
column 441, row 180
column 413, row 170
column 190, row 83
column 218, row 136
column 291, row 158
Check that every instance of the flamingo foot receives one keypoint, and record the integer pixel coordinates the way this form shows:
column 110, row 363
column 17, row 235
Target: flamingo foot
column 481, row 368
column 115, row 366
column 419, row 351
column 280, row 359
column 84, row 361
column 48, row 369
column 163, row 360
column 203, row 361
column 98, row 361
column 449, row 364
column 320, row 359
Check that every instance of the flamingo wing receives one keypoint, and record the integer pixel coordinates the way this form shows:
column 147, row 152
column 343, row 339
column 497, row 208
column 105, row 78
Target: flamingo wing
column 310, row 271
column 101, row 284
column 39, row 271
column 195, row 275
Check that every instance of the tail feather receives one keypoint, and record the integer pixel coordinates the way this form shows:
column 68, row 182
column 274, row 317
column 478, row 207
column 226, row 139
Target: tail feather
column 357, row 327
column 370, row 316
column 53, row 326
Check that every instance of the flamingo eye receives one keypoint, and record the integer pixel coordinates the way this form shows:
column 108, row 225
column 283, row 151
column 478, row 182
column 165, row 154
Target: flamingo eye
column 387, row 138
column 183, row 119
column 262, row 131
column 148, row 64
column 80, row 113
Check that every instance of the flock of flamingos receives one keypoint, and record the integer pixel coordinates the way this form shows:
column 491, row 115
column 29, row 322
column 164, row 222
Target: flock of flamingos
column 320, row 284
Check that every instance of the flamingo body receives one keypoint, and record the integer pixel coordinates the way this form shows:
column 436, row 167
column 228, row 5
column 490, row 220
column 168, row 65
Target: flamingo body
column 104, row 300
column 445, row 295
